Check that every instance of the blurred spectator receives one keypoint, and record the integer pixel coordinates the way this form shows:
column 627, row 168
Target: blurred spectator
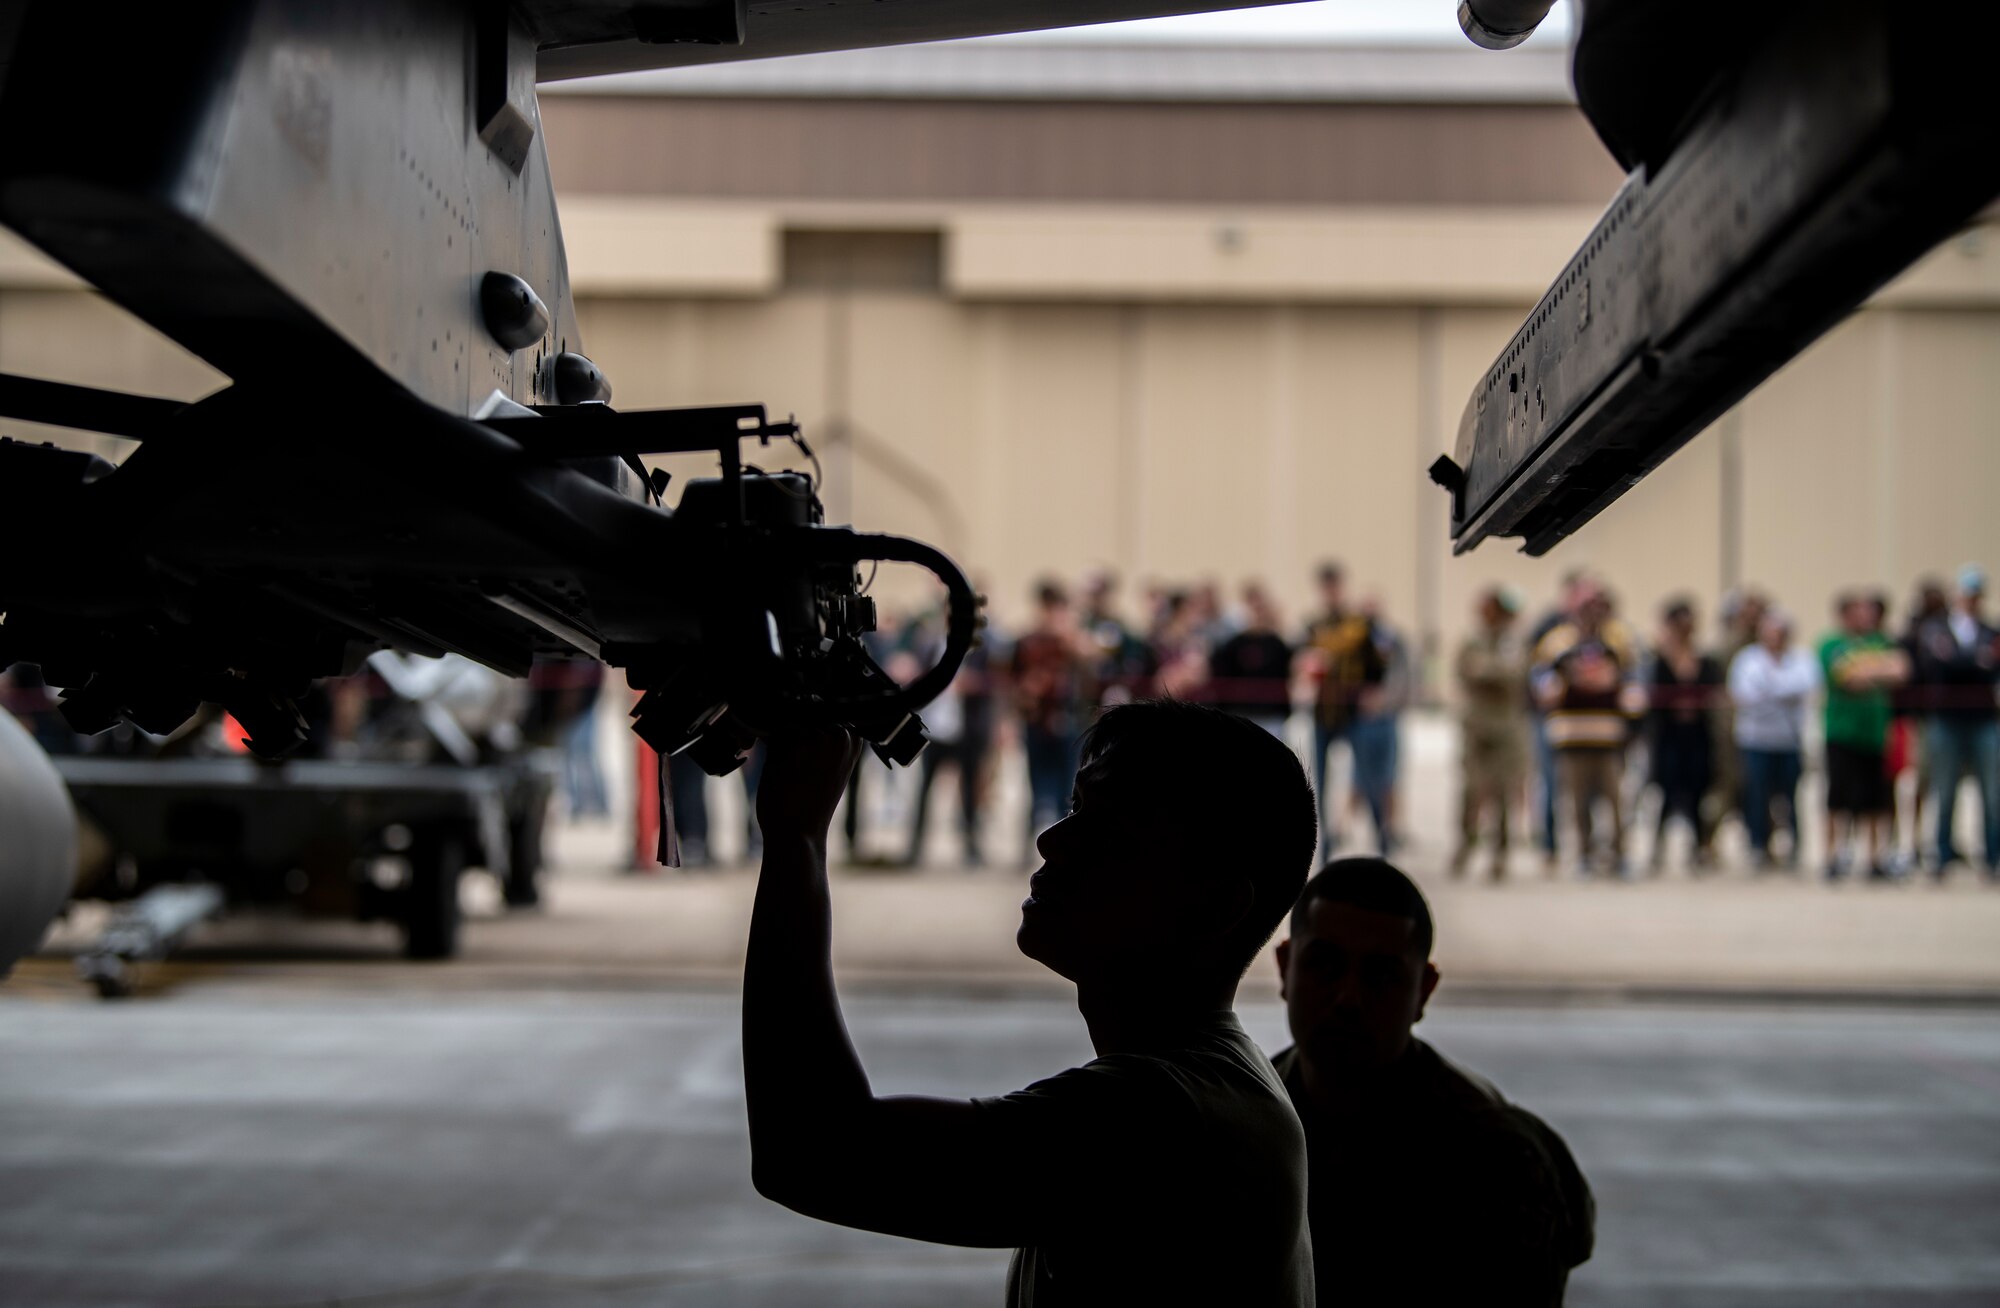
column 961, row 731
column 1583, row 670
column 1958, row 663
column 1682, row 687
column 752, row 772
column 1742, row 612
column 1250, row 673
column 1154, row 607
column 1212, row 626
column 1122, row 665
column 982, row 691
column 1931, row 601
column 1048, row 673
column 1742, row 615
column 1492, row 670
column 1376, row 734
column 1178, row 646
column 1342, row 654
column 1860, row 665
column 1770, row 683
column 1575, row 585
column 884, row 645
column 563, row 713
column 687, row 785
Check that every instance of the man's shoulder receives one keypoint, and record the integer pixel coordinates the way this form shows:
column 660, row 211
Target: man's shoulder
column 1518, row 1159
column 1468, row 1115
column 1222, row 1061
column 1192, row 1078
column 1473, row 1103
column 1485, row 1122
column 1446, row 1086
column 1114, row 1076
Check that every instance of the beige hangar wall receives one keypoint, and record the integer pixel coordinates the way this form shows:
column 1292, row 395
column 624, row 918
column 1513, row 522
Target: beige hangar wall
column 1175, row 428
column 1180, row 416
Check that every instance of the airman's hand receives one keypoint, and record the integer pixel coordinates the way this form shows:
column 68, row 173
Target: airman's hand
column 805, row 774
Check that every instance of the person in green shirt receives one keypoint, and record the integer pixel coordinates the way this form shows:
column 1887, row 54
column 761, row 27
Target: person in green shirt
column 1169, row 1169
column 1860, row 666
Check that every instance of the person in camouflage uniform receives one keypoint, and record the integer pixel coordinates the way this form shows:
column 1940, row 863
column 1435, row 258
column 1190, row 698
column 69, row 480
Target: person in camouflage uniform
column 1492, row 671
column 1742, row 613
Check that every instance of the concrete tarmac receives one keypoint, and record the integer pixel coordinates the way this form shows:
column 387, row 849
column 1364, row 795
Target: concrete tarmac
column 235, row 1141
column 1730, row 932
column 941, row 926
column 1779, row 934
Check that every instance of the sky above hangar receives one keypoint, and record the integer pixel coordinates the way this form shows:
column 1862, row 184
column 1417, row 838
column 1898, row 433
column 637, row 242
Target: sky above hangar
column 1330, row 21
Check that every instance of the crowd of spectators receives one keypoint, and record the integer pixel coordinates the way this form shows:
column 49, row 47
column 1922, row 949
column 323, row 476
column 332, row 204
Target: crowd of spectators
column 1077, row 654
column 1578, row 704
column 1569, row 719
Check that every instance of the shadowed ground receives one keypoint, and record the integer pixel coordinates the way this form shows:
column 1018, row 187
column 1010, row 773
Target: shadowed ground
column 232, row 1142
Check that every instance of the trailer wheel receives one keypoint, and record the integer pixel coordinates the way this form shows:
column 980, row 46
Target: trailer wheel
column 109, row 974
column 430, row 899
column 524, row 860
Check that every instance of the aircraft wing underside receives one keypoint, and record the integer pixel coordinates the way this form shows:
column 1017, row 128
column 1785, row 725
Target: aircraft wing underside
column 585, row 39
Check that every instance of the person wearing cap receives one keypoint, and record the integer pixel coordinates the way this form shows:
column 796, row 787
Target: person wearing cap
column 1771, row 683
column 1492, row 669
column 1958, row 664
column 1424, row 1184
